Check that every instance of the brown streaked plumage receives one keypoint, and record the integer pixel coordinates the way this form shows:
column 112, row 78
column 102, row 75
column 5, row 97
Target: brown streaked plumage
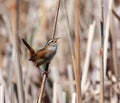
column 44, row 55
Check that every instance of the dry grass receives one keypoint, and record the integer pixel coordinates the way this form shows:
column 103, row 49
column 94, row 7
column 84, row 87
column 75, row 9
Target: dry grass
column 76, row 63
column 80, row 28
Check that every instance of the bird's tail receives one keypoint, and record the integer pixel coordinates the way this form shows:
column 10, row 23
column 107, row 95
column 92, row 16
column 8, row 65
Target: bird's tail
column 29, row 47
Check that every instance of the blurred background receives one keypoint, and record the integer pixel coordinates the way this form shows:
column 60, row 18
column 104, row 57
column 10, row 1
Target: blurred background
column 34, row 23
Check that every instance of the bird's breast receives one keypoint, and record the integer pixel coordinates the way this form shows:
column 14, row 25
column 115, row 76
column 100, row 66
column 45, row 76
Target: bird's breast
column 52, row 48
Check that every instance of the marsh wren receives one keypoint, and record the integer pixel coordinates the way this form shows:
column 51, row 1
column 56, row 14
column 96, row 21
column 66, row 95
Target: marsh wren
column 44, row 55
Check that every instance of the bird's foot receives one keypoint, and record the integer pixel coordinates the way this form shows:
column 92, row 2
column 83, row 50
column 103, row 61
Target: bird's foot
column 45, row 73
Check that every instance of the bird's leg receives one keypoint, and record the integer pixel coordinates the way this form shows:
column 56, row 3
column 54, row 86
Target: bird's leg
column 47, row 66
column 46, row 69
column 42, row 72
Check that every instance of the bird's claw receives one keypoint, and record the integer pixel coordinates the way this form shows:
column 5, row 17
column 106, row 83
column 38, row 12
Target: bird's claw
column 45, row 73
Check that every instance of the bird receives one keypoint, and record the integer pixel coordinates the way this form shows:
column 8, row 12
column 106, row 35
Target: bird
column 44, row 55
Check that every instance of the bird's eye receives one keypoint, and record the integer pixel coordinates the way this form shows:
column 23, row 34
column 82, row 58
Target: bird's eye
column 51, row 41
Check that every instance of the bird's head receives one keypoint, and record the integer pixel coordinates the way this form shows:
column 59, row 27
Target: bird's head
column 52, row 43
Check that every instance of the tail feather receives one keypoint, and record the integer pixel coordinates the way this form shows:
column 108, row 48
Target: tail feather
column 29, row 47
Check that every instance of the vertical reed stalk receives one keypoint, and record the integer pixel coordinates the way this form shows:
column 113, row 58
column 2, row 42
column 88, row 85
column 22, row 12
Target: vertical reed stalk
column 113, row 46
column 87, row 57
column 2, row 94
column 43, row 84
column 77, row 52
column 16, row 49
column 56, row 17
column 106, row 36
column 47, row 65
column 101, row 54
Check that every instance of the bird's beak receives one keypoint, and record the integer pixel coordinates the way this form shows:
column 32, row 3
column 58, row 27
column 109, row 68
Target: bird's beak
column 57, row 39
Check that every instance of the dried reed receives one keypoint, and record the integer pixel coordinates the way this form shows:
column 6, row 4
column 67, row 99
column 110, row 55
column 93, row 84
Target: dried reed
column 116, row 15
column 77, row 69
column 87, row 57
column 47, row 65
column 16, row 49
column 101, row 53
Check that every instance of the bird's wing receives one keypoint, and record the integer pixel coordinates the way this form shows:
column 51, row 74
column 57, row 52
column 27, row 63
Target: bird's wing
column 39, row 55
column 42, row 53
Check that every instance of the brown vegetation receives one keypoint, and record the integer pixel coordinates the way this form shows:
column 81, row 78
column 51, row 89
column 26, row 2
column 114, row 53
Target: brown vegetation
column 80, row 57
